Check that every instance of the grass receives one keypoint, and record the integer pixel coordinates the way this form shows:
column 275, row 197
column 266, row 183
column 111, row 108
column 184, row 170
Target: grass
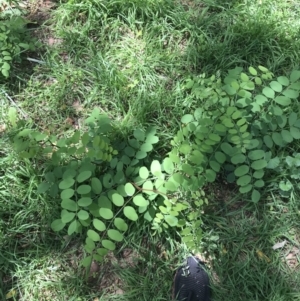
column 247, row 266
column 130, row 59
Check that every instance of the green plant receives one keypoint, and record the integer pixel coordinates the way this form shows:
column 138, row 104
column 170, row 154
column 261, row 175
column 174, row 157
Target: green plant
column 245, row 123
column 104, row 182
column 13, row 41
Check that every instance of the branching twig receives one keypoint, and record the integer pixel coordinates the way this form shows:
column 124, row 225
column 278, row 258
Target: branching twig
column 36, row 61
column 14, row 103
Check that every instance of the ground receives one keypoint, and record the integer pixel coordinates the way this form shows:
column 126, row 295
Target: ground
column 131, row 61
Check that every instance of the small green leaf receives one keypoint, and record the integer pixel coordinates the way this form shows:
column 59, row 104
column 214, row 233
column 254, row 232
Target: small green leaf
column 129, row 151
column 277, row 138
column 185, row 148
column 69, row 205
column 256, row 154
column 291, row 93
column 285, row 185
column 120, row 224
column 85, row 201
column 273, row 163
column 84, row 189
column 171, row 186
column 214, row 165
column 93, row 235
column 73, row 227
column 106, row 213
column 258, row 81
column 244, row 77
column 260, row 99
column 67, row 216
column 5, row 73
column 255, row 196
column 259, row 164
column 43, row 187
column 5, row 66
column 286, row 136
column 268, row 92
column 155, row 168
column 130, row 213
column 295, row 75
column 57, row 225
column 210, row 175
column 283, row 80
column 87, row 261
column 144, row 172
column 171, row 220
column 66, row 183
column 90, row 243
column 220, row 128
column 178, row 178
column 244, row 180
column 102, row 252
column 252, row 71
column 268, row 141
column 281, row 120
column 140, row 201
column 152, row 139
column 168, row 165
column 67, row 193
column 96, row 185
column 146, row 147
column 220, row 157
column 12, row 116
column 83, row 215
column 241, row 170
column 141, row 155
column 259, row 183
column 83, row 176
column 139, row 134
column 104, row 202
column 238, row 159
column 187, row 118
column 99, row 225
column 117, row 199
column 129, row 189
column 115, row 235
column 263, row 69
column 69, row 173
column 107, row 244
column 215, row 137
column 226, row 148
column 295, row 132
column 276, row 86
column 258, row 174
column 293, row 118
column 245, row 189
column 283, row 100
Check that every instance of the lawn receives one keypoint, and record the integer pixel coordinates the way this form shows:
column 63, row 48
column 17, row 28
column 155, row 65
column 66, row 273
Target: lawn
column 133, row 60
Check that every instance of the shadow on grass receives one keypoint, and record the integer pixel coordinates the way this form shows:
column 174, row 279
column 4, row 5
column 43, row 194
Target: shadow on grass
column 242, row 34
column 246, row 266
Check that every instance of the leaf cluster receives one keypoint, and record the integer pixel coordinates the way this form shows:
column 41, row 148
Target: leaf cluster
column 105, row 184
column 247, row 120
column 14, row 40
